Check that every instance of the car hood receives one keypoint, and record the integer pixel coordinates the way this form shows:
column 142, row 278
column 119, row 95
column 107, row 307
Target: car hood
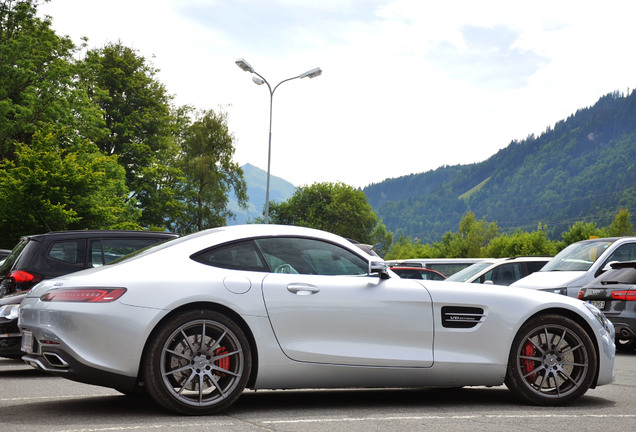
column 548, row 279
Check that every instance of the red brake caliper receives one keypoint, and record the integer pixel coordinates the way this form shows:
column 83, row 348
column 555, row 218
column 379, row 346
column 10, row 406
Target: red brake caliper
column 527, row 365
column 223, row 363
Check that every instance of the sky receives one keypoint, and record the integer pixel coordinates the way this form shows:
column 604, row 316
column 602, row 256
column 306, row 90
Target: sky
column 407, row 86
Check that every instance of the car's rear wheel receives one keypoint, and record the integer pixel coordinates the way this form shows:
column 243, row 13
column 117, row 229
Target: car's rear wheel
column 552, row 361
column 197, row 363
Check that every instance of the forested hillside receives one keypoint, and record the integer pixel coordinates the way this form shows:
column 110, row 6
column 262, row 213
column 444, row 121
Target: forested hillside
column 583, row 169
column 256, row 179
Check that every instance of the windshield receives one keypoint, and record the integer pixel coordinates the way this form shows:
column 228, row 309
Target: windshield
column 577, row 256
column 468, row 272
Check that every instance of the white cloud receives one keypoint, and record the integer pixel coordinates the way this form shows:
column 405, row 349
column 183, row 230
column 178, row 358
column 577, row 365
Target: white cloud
column 407, row 85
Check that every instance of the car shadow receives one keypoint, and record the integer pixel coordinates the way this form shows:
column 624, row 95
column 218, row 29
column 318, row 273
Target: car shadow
column 264, row 403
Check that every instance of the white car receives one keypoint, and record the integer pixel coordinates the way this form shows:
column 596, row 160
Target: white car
column 196, row 320
column 500, row 271
column 578, row 264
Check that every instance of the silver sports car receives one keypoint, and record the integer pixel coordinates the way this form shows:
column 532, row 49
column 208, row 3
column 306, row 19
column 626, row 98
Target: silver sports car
column 196, row 320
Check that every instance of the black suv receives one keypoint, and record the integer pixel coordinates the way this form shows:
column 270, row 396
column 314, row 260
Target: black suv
column 45, row 256
column 614, row 293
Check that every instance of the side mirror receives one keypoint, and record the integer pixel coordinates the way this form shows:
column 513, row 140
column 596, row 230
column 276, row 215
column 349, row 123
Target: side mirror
column 379, row 267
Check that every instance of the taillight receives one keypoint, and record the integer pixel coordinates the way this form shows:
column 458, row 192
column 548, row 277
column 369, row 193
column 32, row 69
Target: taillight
column 90, row 295
column 580, row 296
column 20, row 276
column 628, row 295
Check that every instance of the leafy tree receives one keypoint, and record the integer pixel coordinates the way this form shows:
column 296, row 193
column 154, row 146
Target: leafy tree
column 210, row 174
column 51, row 175
column 473, row 236
column 405, row 248
column 51, row 187
column 520, row 244
column 622, row 224
column 579, row 231
column 38, row 81
column 142, row 127
column 333, row 207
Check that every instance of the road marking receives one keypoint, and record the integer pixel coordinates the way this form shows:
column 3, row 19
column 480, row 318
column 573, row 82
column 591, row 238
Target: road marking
column 453, row 417
column 152, row 426
column 55, row 397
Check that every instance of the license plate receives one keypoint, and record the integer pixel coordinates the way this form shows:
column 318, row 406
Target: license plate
column 27, row 342
column 598, row 303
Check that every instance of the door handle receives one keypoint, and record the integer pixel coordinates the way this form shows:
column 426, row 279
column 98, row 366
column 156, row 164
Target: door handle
column 301, row 289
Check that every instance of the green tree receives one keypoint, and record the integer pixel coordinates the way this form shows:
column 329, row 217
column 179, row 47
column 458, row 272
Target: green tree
column 51, row 187
column 520, row 243
column 210, row 174
column 621, row 225
column 405, row 248
column 38, row 81
column 471, row 239
column 143, row 127
column 51, row 174
column 333, row 207
column 579, row 231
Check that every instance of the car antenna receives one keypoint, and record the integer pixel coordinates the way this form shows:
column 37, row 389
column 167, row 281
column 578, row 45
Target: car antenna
column 43, row 220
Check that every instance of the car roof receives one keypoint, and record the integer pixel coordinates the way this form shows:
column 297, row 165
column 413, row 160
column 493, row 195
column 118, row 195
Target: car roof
column 99, row 233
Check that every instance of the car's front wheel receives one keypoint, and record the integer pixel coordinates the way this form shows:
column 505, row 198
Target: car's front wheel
column 197, row 363
column 552, row 361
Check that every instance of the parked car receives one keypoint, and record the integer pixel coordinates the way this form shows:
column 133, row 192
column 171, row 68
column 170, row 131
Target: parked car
column 445, row 266
column 195, row 321
column 578, row 264
column 4, row 253
column 500, row 271
column 614, row 292
column 417, row 273
column 45, row 256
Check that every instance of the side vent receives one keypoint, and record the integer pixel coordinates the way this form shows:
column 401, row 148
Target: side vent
column 461, row 317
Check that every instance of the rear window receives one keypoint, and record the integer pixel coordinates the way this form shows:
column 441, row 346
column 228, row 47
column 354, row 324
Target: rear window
column 105, row 251
column 12, row 258
column 624, row 274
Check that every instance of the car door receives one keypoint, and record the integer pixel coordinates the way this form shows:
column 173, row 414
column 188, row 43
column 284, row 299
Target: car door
column 324, row 307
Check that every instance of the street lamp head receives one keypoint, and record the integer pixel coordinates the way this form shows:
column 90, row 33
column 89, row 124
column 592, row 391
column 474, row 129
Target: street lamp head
column 257, row 80
column 244, row 65
column 312, row 73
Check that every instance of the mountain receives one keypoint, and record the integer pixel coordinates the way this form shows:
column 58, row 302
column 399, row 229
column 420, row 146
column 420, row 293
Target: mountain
column 256, row 180
column 582, row 169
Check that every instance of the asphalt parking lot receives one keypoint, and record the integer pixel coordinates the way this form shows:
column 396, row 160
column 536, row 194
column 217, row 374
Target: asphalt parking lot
column 31, row 400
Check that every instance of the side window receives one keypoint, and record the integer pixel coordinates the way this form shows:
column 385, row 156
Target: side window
column 69, row 252
column 96, row 253
column 535, row 266
column 236, row 256
column 309, row 256
column 104, row 251
column 626, row 252
column 504, row 274
column 507, row 274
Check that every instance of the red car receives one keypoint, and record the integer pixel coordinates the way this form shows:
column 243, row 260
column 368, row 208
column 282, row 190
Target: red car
column 418, row 273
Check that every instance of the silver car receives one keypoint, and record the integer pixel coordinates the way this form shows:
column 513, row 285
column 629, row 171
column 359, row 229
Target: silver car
column 500, row 271
column 195, row 321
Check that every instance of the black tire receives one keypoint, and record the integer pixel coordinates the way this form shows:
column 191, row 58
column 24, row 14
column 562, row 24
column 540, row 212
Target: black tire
column 197, row 363
column 625, row 345
column 552, row 361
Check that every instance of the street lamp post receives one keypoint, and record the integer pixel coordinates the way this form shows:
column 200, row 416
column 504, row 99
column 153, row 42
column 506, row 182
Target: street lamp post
column 260, row 79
